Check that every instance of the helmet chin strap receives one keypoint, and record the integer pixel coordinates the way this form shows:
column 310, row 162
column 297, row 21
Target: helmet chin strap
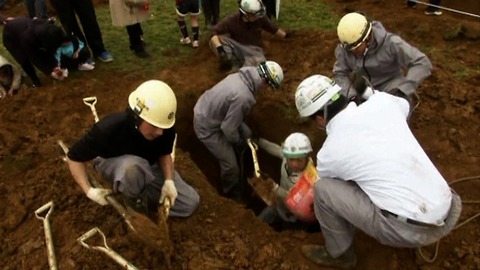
column 325, row 114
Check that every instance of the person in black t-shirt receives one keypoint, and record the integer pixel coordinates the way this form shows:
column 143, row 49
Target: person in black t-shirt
column 132, row 149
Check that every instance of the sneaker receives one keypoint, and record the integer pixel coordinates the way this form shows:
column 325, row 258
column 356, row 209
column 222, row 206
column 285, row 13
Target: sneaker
column 433, row 13
column 142, row 53
column 91, row 61
column 185, row 41
column 319, row 255
column 105, row 57
column 195, row 44
column 85, row 66
column 65, row 72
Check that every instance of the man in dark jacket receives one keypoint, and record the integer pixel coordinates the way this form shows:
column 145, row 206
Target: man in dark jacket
column 33, row 42
column 237, row 39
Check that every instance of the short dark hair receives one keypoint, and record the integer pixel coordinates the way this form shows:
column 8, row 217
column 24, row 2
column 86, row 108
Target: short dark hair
column 333, row 108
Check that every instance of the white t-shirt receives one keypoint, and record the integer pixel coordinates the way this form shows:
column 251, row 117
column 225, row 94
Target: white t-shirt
column 372, row 145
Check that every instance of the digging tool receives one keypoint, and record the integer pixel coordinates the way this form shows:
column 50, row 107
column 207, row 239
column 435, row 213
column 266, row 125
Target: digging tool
column 164, row 208
column 90, row 102
column 263, row 187
column 52, row 261
column 105, row 248
column 140, row 225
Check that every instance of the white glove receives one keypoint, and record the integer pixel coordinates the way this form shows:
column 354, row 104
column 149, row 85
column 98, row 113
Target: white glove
column 170, row 191
column 98, row 195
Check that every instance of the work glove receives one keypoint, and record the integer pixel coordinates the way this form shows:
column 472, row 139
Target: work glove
column 359, row 79
column 169, row 191
column 245, row 132
column 225, row 63
column 98, row 195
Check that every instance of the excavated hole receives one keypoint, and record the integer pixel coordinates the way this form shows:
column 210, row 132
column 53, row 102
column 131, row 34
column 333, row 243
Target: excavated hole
column 266, row 120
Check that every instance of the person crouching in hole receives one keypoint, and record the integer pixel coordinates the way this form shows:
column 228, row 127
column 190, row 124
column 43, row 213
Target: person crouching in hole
column 297, row 164
column 72, row 53
column 10, row 78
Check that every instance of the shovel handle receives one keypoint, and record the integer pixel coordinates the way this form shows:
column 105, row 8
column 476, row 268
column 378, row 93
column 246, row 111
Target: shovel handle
column 90, row 102
column 253, row 148
column 166, row 205
column 105, row 249
column 52, row 261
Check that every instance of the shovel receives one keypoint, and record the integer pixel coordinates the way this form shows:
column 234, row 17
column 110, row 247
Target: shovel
column 52, row 261
column 263, row 187
column 105, row 249
column 164, row 208
column 142, row 227
column 90, row 102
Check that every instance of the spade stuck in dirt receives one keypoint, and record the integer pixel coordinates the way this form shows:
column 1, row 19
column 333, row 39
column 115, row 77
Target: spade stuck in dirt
column 262, row 185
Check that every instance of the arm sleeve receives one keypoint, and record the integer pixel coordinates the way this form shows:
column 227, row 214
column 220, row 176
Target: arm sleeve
column 271, row 148
column 341, row 71
column 234, row 119
column 268, row 25
column 90, row 146
column 418, row 65
column 281, row 193
column 222, row 27
column 58, row 56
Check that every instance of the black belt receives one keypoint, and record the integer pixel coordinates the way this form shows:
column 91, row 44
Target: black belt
column 407, row 220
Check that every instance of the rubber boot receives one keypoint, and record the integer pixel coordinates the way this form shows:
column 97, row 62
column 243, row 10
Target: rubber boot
column 319, row 255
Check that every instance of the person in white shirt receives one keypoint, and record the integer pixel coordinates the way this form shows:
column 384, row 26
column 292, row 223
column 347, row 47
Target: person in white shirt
column 374, row 175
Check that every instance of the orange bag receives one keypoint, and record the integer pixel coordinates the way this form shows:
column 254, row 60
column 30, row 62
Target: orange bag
column 300, row 198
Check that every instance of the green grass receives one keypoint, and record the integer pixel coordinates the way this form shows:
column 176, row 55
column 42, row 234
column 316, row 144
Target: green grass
column 162, row 34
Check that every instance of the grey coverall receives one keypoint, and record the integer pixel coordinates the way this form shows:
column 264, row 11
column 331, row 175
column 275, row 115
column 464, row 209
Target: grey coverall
column 385, row 60
column 218, row 120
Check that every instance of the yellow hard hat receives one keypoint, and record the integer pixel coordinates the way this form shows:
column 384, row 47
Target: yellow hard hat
column 154, row 102
column 353, row 29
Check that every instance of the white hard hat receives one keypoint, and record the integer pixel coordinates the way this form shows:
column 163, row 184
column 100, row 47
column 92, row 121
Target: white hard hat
column 353, row 29
column 296, row 145
column 272, row 72
column 154, row 102
column 314, row 93
column 252, row 7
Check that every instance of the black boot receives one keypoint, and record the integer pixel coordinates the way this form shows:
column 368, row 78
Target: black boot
column 139, row 50
column 319, row 255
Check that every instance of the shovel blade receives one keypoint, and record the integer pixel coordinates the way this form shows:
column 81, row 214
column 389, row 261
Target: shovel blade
column 156, row 237
column 263, row 188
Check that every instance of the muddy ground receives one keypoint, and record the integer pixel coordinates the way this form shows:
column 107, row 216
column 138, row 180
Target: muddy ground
column 223, row 234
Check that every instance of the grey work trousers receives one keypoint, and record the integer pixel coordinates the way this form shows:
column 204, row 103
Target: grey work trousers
column 223, row 151
column 249, row 55
column 341, row 206
column 134, row 177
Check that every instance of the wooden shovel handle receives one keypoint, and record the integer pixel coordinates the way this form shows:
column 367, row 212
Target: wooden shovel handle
column 253, row 148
